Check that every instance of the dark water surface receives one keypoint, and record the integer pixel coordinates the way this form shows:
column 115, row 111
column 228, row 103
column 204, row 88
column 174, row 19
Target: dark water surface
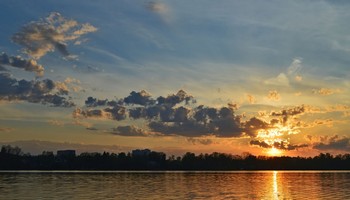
column 176, row 185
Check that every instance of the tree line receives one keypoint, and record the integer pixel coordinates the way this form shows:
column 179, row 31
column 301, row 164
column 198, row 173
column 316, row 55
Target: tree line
column 12, row 158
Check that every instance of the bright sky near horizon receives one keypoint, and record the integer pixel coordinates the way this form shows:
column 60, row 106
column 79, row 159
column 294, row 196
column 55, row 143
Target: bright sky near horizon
column 265, row 77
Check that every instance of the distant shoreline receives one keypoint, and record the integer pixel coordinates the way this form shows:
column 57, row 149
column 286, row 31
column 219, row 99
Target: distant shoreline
column 13, row 159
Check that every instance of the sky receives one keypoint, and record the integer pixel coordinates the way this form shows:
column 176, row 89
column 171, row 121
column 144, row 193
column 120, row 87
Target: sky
column 268, row 78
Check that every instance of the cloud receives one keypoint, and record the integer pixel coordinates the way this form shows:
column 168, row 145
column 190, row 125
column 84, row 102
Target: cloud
column 50, row 34
column 282, row 145
column 250, row 98
column 298, row 78
column 114, row 113
column 316, row 122
column 129, row 131
column 140, row 98
column 274, row 95
column 292, row 74
column 18, row 62
column 175, row 114
column 333, row 143
column 178, row 114
column 325, row 91
column 93, row 102
column 295, row 67
column 161, row 9
column 55, row 122
column 157, row 7
column 253, row 125
column 202, row 141
column 44, row 91
column 262, row 144
column 280, row 80
column 286, row 114
column 92, row 128
column 81, row 123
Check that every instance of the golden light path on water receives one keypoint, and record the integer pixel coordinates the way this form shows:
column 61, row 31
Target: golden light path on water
column 275, row 185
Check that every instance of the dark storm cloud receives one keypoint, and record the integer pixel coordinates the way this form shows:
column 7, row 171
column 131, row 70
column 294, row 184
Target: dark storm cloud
column 129, row 131
column 44, row 91
column 334, row 143
column 18, row 62
column 49, row 34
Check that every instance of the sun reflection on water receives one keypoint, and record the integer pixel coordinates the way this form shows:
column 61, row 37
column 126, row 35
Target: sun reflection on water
column 275, row 185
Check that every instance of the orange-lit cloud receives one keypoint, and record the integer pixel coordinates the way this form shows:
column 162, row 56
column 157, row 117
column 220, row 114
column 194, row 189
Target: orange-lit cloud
column 274, row 95
column 250, row 98
column 326, row 91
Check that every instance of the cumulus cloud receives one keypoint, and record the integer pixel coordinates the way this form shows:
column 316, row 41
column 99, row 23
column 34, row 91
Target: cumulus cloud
column 140, row 98
column 18, row 62
column 274, row 95
column 129, row 131
column 43, row 91
column 179, row 115
column 93, row 102
column 49, row 34
column 175, row 114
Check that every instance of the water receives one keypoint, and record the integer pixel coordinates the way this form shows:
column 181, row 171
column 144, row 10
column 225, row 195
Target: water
column 176, row 185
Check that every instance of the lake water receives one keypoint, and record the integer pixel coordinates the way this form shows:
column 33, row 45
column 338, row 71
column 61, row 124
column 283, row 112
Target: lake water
column 176, row 185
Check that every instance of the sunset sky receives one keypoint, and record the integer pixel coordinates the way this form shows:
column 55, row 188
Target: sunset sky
column 265, row 77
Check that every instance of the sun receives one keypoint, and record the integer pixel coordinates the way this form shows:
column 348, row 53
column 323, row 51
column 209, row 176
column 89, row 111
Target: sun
column 274, row 152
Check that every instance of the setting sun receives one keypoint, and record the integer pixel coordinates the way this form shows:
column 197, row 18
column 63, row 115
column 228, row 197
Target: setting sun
column 274, row 152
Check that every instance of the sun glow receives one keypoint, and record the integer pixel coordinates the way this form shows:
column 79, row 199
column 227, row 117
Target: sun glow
column 274, row 152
